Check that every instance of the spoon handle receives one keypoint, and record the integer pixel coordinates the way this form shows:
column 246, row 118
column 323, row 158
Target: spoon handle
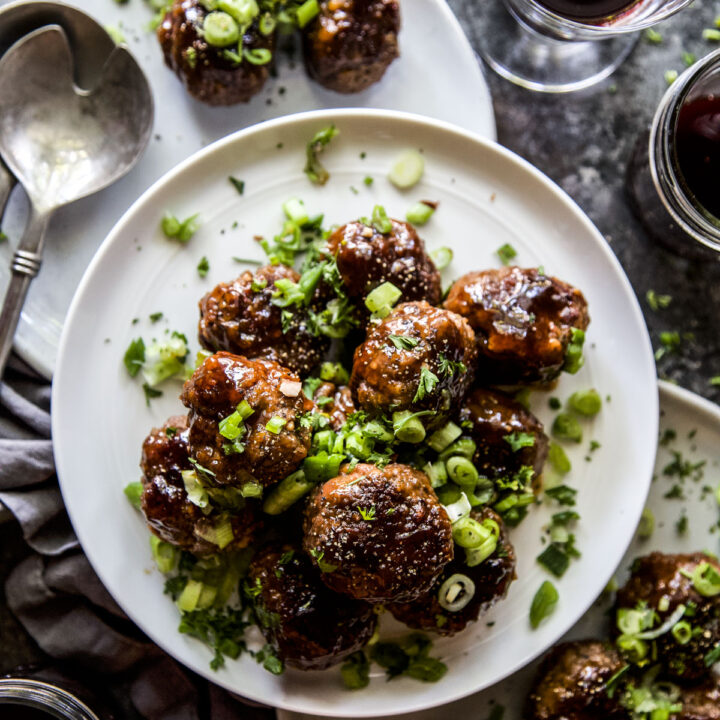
column 7, row 182
column 24, row 267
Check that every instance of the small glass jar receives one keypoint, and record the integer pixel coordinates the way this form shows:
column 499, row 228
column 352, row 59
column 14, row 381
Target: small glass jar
column 23, row 695
column 702, row 80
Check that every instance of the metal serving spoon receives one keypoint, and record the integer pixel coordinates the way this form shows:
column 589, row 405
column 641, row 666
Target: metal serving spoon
column 91, row 46
column 63, row 143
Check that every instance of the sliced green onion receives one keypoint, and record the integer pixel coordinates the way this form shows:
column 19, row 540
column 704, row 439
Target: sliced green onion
column 224, row 534
column 419, row 213
column 559, row 459
column 543, row 604
column 323, row 466
column 632, row 648
column 244, row 410
column 465, row 447
column 189, row 597
column 586, row 402
column 380, row 220
column 706, row 580
column 275, row 424
column 469, row 533
column 407, row 169
column 165, row 359
column 408, row 427
column 251, row 490
column 554, row 559
column 314, row 169
column 257, row 56
column 459, row 509
column 462, row 471
column 666, row 627
column 334, row 373
column 164, row 554
column 382, row 298
column 196, row 493
column 475, row 556
column 220, row 29
column 287, row 493
column 294, row 209
column 267, row 24
column 437, row 473
column 456, row 592
column 682, row 632
column 566, row 427
column 133, row 492
column 444, row 437
column 378, row 431
column 441, row 257
column 646, row 526
column 243, row 11
column 357, row 445
column 323, row 440
column 306, row 12
column 574, row 354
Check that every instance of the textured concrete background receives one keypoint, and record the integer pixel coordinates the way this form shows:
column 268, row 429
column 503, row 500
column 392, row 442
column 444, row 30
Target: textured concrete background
column 584, row 141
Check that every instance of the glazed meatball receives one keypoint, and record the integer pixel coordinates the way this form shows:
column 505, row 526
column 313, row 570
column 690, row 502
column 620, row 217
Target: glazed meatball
column 168, row 512
column 309, row 626
column 378, row 535
column 367, row 258
column 339, row 406
column 211, row 74
column 430, row 367
column 523, row 321
column 701, row 702
column 273, row 393
column 660, row 581
column 570, row 684
column 492, row 579
column 496, row 420
column 240, row 317
column 350, row 44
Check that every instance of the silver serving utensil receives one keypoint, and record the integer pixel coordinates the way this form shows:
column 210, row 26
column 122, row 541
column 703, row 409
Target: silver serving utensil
column 91, row 46
column 63, row 143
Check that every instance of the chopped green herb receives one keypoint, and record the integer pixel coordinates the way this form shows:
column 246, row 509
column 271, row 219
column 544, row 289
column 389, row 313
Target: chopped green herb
column 671, row 76
column 656, row 302
column 247, row 261
column 558, row 459
column 179, row 230
column 134, row 356
column 554, row 559
column 450, row 367
column 275, row 424
column 670, row 341
column 506, row 253
column 711, row 34
column 368, row 180
column 355, row 671
column 380, row 220
column 314, row 169
column 239, row 185
column 653, row 36
column 367, row 514
column 441, row 257
column 517, row 441
column 407, row 170
column 554, row 403
column 150, row 393
column 155, row 317
column 563, row 494
column 203, row 267
column 403, row 342
column 574, row 354
column 420, row 213
column 586, row 402
column 566, row 427
column 133, row 492
column 681, row 525
column 543, row 604
column 713, row 656
column 689, row 58
column 426, row 385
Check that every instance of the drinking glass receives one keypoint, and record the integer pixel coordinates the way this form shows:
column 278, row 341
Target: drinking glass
column 667, row 200
column 564, row 45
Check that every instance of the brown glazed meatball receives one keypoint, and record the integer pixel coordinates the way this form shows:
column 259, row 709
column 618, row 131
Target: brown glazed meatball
column 492, row 579
column 309, row 626
column 379, row 535
column 350, row 44
column 523, row 322
column 494, row 417
column 236, row 318
column 386, row 378
column 570, row 684
column 168, row 512
column 659, row 575
column 701, row 702
column 367, row 258
column 214, row 391
column 206, row 71
column 341, row 406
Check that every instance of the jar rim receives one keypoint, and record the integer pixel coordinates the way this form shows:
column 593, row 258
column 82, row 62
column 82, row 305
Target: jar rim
column 44, row 696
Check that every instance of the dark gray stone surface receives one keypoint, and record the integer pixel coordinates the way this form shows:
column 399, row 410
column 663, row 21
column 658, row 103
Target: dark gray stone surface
column 584, row 140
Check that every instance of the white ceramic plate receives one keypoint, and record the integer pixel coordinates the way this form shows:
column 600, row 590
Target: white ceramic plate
column 488, row 197
column 696, row 422
column 433, row 48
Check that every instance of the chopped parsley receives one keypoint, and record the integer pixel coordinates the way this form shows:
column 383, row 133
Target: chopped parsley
column 656, row 301
column 517, row 441
column 367, row 514
column 670, row 342
column 314, row 169
column 239, row 185
column 222, row 630
column 450, row 367
column 427, row 383
column 403, row 342
column 203, row 267
column 150, row 393
column 134, row 356
column 506, row 253
column 155, row 317
column 563, row 494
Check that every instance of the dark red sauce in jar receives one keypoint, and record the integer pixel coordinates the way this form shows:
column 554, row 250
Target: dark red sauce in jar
column 23, row 712
column 697, row 150
column 596, row 10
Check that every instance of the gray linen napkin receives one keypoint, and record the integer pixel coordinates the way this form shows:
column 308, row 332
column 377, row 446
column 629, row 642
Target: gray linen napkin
column 56, row 595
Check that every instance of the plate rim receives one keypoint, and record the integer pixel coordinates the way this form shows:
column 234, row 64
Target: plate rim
column 430, row 125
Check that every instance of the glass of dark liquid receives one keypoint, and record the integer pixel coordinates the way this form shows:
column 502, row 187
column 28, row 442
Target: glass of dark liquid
column 684, row 162
column 564, row 45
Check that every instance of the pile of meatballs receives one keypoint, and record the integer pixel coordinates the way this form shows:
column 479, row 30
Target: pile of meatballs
column 375, row 533
column 669, row 678
column 347, row 45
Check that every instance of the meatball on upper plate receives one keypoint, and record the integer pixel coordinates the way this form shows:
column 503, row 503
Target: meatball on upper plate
column 490, row 578
column 308, row 625
column 245, row 420
column 239, row 317
column 419, row 358
column 169, row 513
column 525, row 323
column 367, row 258
column 350, row 44
column 210, row 64
column 378, row 535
